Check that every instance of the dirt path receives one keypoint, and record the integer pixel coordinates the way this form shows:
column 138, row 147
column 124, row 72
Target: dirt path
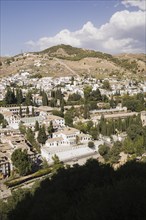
column 66, row 66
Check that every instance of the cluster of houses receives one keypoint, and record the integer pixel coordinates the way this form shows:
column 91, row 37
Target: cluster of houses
column 66, row 142
column 23, row 79
column 11, row 138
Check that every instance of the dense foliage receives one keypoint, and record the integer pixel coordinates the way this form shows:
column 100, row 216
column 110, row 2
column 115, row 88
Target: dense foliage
column 87, row 192
column 21, row 161
column 134, row 103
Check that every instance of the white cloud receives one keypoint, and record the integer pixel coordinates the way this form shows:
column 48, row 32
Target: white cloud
column 141, row 4
column 125, row 31
column 114, row 44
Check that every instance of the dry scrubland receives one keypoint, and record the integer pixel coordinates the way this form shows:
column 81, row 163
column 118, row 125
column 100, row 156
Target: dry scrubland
column 64, row 60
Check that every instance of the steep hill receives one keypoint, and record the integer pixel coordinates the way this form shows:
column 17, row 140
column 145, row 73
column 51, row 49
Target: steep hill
column 65, row 60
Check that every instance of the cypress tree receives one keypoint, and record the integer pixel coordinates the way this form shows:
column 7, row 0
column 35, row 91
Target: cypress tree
column 33, row 114
column 37, row 127
column 10, row 97
column 44, row 99
column 27, row 111
column 42, row 137
column 19, row 96
column 20, row 111
column 28, row 99
column 50, row 129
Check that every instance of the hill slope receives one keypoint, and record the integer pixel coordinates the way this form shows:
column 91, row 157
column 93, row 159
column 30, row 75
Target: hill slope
column 65, row 60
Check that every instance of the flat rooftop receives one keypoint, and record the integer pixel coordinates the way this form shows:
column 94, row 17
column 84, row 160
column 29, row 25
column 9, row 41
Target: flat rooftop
column 67, row 153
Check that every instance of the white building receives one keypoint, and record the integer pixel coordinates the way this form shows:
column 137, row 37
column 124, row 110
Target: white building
column 66, row 153
column 57, row 121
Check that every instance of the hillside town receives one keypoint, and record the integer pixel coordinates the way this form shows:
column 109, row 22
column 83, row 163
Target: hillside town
column 73, row 110
column 68, row 111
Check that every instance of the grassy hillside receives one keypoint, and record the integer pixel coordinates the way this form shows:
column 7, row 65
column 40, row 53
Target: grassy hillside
column 74, row 53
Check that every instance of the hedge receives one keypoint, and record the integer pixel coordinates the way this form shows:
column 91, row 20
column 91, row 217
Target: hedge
column 21, row 180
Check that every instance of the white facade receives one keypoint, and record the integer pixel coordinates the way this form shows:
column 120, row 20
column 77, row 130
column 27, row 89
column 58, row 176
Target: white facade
column 67, row 137
column 57, row 121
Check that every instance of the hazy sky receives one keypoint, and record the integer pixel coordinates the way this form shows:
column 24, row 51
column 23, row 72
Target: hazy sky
column 112, row 26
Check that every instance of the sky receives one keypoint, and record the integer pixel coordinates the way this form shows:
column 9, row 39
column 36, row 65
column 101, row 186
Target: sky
column 111, row 26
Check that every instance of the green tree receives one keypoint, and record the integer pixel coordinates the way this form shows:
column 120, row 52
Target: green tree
column 112, row 103
column 57, row 163
column 4, row 123
column 44, row 99
column 74, row 97
column 103, row 150
column 30, row 135
column 21, row 161
column 133, row 103
column 33, row 113
column 106, row 85
column 22, row 128
column 144, row 137
column 91, row 144
column 89, row 125
column 57, row 113
column 27, row 111
column 134, row 130
column 53, row 102
column 72, row 80
column 87, row 92
column 62, row 106
column 50, row 129
column 37, row 127
column 94, row 132
column 128, row 146
column 96, row 95
column 42, row 137
column 68, row 118
column 20, row 111
column 19, row 96
column 114, row 152
column 86, row 111
column 28, row 98
column 10, row 97
column 1, row 118
column 138, row 146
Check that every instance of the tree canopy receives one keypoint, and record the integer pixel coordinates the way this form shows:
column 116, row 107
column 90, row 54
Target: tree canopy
column 89, row 192
column 21, row 161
